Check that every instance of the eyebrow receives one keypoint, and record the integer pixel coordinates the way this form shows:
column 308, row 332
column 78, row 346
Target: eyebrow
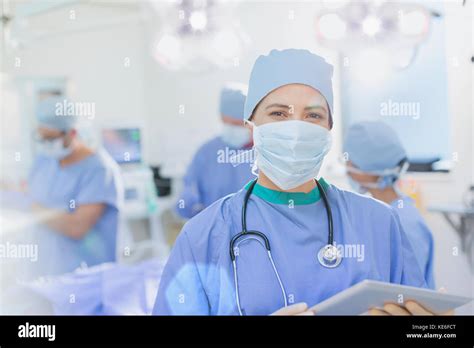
column 315, row 107
column 288, row 106
column 277, row 106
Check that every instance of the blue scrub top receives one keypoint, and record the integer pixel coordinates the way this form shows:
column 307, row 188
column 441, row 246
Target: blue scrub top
column 199, row 279
column 418, row 234
column 211, row 176
column 95, row 179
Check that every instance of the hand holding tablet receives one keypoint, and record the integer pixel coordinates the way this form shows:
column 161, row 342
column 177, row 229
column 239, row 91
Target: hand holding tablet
column 369, row 294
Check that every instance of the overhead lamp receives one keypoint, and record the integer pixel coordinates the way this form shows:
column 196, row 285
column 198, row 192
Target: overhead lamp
column 198, row 20
column 371, row 25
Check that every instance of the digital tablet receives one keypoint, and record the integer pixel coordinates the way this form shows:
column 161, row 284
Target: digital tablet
column 368, row 294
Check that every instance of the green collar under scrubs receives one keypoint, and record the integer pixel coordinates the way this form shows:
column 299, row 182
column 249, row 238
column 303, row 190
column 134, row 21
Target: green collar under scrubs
column 279, row 197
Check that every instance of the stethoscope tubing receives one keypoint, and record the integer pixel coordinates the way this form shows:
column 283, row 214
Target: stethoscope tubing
column 263, row 237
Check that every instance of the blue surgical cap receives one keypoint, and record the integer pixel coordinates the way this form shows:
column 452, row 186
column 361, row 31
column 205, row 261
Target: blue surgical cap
column 280, row 68
column 373, row 146
column 52, row 113
column 233, row 100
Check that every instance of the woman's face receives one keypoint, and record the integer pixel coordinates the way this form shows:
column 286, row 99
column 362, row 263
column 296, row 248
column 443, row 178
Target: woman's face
column 293, row 102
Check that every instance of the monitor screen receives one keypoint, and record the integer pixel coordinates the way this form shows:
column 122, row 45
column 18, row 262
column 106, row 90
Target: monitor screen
column 124, row 144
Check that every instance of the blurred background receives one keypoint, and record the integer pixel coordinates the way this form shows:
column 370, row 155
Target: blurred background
column 146, row 77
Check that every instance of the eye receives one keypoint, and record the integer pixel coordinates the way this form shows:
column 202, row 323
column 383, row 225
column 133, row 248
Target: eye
column 316, row 116
column 277, row 113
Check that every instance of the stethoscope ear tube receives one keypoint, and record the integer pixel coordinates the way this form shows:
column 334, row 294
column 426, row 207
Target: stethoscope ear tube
column 244, row 206
column 322, row 192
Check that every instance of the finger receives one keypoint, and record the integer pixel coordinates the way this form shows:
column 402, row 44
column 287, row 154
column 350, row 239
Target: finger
column 292, row 309
column 416, row 309
column 451, row 311
column 394, row 309
column 376, row 311
column 306, row 313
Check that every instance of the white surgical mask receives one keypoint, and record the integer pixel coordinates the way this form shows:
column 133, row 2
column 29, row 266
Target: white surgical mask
column 235, row 136
column 387, row 178
column 356, row 186
column 290, row 153
column 53, row 148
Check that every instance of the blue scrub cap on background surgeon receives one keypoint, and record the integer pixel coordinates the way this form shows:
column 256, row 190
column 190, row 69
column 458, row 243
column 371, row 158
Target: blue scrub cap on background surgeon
column 284, row 67
column 233, row 100
column 373, row 146
column 48, row 116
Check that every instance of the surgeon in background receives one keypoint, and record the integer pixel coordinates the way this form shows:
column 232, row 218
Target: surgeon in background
column 76, row 193
column 375, row 159
column 211, row 174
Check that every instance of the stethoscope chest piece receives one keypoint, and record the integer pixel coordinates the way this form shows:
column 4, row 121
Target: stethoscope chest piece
column 329, row 257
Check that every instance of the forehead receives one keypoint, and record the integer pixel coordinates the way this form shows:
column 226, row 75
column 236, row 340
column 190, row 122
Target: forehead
column 295, row 94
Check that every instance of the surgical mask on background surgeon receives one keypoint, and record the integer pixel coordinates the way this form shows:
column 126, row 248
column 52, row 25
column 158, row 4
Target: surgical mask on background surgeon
column 356, row 186
column 364, row 187
column 235, row 136
column 53, row 148
column 387, row 178
column 290, row 153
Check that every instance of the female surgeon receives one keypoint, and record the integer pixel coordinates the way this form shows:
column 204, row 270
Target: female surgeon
column 76, row 193
column 285, row 264
column 375, row 159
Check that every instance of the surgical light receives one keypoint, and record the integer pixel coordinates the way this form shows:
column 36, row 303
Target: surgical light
column 398, row 28
column 332, row 27
column 198, row 35
column 371, row 25
column 198, row 20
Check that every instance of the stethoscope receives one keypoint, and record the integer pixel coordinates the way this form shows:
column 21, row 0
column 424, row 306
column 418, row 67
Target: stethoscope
column 328, row 255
